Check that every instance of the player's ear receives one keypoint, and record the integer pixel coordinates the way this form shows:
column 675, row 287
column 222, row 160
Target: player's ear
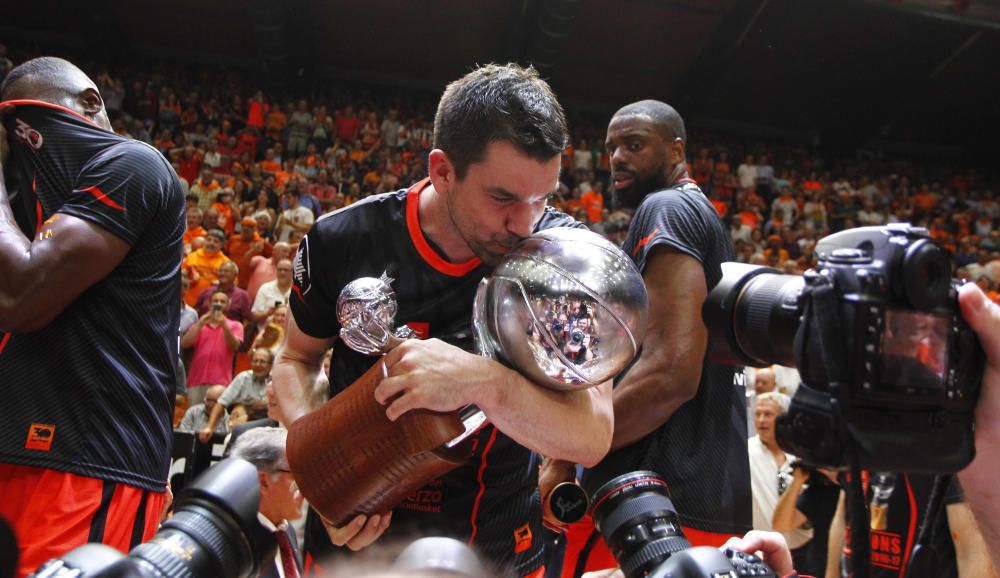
column 90, row 101
column 675, row 151
column 441, row 171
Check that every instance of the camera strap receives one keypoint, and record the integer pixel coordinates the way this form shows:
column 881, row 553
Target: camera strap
column 823, row 311
column 922, row 557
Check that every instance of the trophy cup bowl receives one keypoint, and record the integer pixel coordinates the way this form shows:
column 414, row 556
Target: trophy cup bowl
column 566, row 308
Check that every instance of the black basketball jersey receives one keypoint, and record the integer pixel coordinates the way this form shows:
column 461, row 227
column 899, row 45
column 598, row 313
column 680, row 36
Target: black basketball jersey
column 92, row 392
column 701, row 451
column 491, row 502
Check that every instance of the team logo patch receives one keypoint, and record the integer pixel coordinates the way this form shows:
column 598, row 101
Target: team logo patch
column 40, row 437
column 29, row 136
column 522, row 539
column 300, row 268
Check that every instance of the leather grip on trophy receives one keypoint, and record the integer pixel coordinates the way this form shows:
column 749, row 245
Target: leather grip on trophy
column 348, row 458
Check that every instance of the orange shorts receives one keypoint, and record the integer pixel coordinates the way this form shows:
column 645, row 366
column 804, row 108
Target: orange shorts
column 53, row 512
column 587, row 552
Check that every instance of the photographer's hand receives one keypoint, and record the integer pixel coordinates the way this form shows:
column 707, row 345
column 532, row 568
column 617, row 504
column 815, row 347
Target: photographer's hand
column 769, row 546
column 979, row 479
column 359, row 532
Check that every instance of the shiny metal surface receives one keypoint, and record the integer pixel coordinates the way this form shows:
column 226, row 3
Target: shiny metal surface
column 566, row 307
column 366, row 309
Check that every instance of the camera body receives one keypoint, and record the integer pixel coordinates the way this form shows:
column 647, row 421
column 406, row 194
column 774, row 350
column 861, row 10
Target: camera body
column 877, row 335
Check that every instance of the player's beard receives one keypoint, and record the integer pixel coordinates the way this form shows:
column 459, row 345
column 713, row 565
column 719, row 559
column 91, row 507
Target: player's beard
column 641, row 186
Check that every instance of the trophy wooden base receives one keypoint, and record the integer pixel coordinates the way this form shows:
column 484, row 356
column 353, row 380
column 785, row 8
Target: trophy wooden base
column 349, row 459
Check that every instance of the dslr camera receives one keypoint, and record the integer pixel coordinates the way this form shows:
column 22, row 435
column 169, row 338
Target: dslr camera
column 890, row 370
column 640, row 526
column 214, row 532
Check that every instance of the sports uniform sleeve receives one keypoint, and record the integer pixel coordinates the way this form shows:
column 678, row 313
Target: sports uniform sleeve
column 668, row 218
column 123, row 189
column 316, row 283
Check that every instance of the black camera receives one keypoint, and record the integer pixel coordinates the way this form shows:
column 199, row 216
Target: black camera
column 888, row 365
column 640, row 525
column 577, row 336
column 214, row 532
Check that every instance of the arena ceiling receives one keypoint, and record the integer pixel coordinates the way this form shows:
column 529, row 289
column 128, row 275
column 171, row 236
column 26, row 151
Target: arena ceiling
column 846, row 73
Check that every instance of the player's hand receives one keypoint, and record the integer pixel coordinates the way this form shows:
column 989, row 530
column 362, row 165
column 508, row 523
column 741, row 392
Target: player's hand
column 551, row 473
column 430, row 374
column 205, row 435
column 359, row 532
column 769, row 546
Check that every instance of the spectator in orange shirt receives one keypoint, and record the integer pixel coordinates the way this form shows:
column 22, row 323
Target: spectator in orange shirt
column 370, row 130
column 256, row 110
column 188, row 161
column 203, row 264
column 194, row 229
column 229, row 213
column 269, row 164
column 575, row 202
column 240, row 244
column 275, row 123
column 593, row 202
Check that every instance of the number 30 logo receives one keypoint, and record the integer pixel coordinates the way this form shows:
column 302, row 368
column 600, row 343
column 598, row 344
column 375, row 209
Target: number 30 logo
column 29, row 136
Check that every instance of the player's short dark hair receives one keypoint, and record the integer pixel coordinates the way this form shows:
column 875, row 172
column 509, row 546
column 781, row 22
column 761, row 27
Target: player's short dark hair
column 49, row 68
column 499, row 103
column 665, row 118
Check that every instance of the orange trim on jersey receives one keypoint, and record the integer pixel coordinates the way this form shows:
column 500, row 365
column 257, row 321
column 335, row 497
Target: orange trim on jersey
column 537, row 573
column 3, row 342
column 99, row 194
column 482, row 486
column 645, row 241
column 28, row 102
column 429, row 255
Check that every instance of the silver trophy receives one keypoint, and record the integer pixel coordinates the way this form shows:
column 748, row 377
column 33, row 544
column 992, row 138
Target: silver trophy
column 565, row 307
column 366, row 309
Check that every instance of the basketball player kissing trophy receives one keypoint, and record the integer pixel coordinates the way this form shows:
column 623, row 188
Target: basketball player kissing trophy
column 566, row 308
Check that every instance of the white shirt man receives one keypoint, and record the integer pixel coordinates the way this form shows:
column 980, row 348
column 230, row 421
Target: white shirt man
column 770, row 467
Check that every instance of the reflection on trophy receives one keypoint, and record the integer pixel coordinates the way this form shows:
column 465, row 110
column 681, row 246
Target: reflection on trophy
column 565, row 307
column 347, row 457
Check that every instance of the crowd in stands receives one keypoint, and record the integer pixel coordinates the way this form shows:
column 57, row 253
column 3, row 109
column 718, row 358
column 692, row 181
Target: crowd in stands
column 258, row 169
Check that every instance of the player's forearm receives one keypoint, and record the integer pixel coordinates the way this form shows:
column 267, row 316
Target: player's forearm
column 18, row 279
column 654, row 388
column 575, row 426
column 214, row 417
column 290, row 379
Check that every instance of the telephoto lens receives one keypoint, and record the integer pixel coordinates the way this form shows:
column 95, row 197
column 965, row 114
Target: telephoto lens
column 638, row 521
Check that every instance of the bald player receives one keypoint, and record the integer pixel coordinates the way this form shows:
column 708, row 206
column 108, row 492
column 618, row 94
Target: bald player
column 91, row 234
column 676, row 413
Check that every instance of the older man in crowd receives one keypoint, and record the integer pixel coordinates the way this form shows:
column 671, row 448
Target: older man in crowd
column 248, row 388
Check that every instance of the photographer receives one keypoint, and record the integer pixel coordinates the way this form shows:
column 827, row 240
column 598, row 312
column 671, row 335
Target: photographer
column 979, row 479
